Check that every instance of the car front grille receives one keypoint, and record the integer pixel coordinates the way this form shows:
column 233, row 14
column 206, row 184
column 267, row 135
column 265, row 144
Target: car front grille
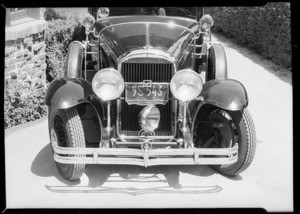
column 138, row 70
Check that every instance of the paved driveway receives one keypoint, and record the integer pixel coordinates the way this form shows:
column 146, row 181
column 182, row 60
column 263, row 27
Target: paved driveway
column 34, row 182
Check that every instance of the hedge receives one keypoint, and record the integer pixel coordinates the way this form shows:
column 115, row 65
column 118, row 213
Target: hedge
column 58, row 36
column 265, row 30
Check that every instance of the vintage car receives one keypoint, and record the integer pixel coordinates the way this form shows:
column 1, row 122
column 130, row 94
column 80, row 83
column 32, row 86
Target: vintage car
column 147, row 87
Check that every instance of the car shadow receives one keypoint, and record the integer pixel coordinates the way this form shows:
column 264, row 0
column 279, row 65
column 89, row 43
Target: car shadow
column 100, row 175
column 44, row 165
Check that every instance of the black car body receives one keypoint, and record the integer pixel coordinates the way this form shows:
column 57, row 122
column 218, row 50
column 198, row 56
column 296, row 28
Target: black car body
column 147, row 89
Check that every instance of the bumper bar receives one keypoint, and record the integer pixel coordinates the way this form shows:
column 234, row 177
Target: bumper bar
column 152, row 157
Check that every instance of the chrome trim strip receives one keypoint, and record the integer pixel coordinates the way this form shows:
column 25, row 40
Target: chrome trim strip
column 171, row 137
column 151, row 162
column 135, row 143
column 155, row 83
column 108, row 127
column 147, row 53
column 138, row 152
column 184, row 115
column 147, row 35
column 137, row 16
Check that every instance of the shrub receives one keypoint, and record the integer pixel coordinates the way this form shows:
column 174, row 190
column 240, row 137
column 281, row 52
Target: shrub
column 265, row 30
column 19, row 110
column 61, row 13
column 58, row 36
column 51, row 13
column 61, row 24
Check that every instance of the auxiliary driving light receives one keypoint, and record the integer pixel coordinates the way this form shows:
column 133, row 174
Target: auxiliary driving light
column 108, row 84
column 206, row 22
column 186, row 85
column 149, row 118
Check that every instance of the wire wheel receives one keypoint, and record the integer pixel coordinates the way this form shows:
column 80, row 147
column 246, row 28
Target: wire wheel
column 219, row 128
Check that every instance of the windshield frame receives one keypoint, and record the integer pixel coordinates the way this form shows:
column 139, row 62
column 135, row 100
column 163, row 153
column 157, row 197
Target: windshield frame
column 186, row 12
column 148, row 24
column 171, row 50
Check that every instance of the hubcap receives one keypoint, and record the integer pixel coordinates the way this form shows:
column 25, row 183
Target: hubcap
column 217, row 130
column 222, row 133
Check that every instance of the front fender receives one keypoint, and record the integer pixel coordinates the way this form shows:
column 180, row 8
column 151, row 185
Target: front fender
column 66, row 92
column 225, row 93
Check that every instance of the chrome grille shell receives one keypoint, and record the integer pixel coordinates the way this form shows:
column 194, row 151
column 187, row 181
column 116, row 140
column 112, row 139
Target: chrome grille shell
column 137, row 68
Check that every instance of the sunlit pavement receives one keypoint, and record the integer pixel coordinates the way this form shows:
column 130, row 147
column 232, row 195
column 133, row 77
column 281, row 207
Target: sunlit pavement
column 32, row 180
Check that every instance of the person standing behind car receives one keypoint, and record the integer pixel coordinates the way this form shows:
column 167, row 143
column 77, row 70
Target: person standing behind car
column 159, row 11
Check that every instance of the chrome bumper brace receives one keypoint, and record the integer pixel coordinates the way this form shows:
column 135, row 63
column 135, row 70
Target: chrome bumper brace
column 151, row 157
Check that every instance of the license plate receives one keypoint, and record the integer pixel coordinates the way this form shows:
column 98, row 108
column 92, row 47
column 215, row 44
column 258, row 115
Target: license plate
column 146, row 94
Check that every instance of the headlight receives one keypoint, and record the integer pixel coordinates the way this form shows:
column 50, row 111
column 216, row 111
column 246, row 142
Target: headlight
column 186, row 85
column 206, row 22
column 108, row 84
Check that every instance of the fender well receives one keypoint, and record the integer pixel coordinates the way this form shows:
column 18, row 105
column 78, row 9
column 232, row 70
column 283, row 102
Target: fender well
column 68, row 92
column 225, row 93
column 92, row 124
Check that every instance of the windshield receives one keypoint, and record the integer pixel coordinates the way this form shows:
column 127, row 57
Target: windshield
column 189, row 12
column 168, row 37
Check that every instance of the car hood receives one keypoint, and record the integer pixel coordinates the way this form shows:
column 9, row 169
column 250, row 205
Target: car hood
column 121, row 35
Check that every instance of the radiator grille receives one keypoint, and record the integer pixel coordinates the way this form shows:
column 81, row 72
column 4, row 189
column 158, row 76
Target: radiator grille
column 155, row 69
column 137, row 70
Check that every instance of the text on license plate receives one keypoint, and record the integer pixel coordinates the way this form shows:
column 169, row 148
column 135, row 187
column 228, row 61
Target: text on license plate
column 151, row 92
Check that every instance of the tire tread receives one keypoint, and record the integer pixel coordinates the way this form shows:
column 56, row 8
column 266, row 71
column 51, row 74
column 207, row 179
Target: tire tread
column 76, row 129
column 243, row 164
column 251, row 136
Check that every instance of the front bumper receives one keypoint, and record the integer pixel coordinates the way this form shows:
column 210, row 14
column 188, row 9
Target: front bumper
column 151, row 157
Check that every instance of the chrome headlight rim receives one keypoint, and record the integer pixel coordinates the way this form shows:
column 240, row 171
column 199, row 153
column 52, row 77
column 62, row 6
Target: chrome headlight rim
column 206, row 22
column 102, row 12
column 149, row 118
column 112, row 72
column 186, row 71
